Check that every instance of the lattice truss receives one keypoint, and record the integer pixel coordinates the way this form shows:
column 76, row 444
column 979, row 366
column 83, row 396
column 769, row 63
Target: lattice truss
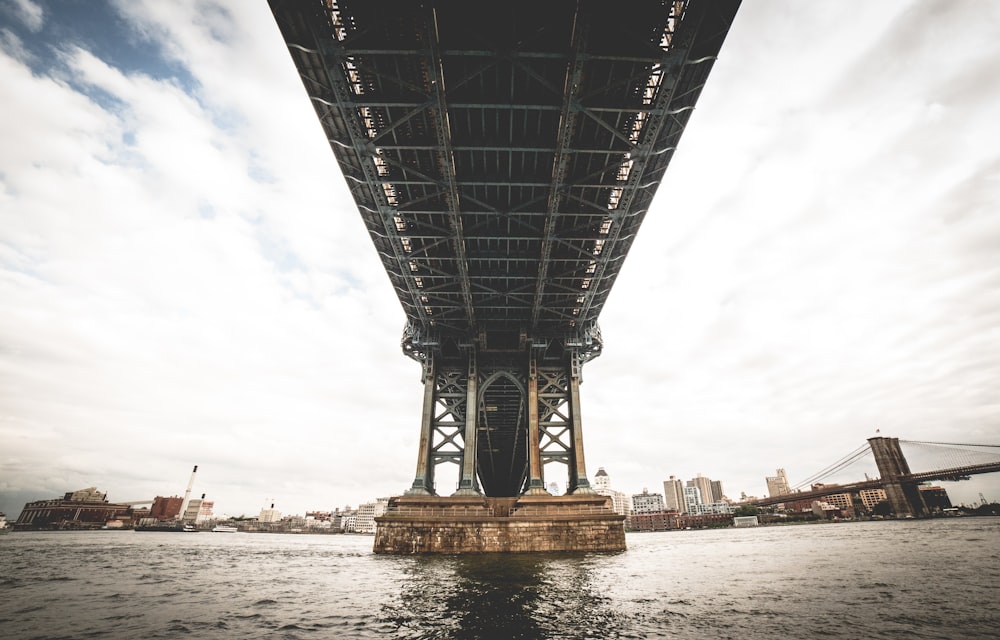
column 448, row 420
column 503, row 154
column 554, row 418
column 501, row 429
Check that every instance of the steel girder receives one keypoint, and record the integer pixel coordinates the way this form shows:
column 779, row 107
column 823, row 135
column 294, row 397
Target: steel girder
column 503, row 155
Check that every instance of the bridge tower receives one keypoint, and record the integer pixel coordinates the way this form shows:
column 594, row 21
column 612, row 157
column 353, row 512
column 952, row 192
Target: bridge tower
column 502, row 156
column 904, row 496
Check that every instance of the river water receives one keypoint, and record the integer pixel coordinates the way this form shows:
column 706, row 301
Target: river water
column 902, row 579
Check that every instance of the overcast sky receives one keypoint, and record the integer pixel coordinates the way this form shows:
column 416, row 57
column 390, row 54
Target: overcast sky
column 185, row 280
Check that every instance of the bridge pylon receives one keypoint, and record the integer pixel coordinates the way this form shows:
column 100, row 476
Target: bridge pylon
column 904, row 496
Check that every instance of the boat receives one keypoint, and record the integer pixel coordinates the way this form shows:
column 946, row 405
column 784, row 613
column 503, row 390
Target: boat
column 4, row 528
column 160, row 526
column 224, row 528
column 188, row 528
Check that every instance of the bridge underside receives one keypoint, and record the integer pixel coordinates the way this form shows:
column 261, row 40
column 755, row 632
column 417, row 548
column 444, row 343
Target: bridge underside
column 502, row 156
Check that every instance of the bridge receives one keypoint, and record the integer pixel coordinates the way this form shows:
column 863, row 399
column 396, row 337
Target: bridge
column 502, row 156
column 896, row 479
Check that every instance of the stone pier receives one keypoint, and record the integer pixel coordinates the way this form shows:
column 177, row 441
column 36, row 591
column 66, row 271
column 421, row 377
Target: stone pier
column 477, row 524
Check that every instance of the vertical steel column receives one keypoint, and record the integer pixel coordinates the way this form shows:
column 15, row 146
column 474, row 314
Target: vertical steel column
column 423, row 482
column 468, row 484
column 578, row 470
column 536, row 486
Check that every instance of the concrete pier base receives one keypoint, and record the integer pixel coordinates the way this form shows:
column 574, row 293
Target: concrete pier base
column 476, row 524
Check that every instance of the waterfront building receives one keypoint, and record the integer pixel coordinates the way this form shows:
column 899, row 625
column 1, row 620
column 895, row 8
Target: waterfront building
column 367, row 512
column 659, row 521
column 83, row 509
column 602, row 486
column 936, row 498
column 349, row 522
column 198, row 510
column 745, row 521
column 701, row 520
column 871, row 497
column 712, row 507
column 647, row 502
column 825, row 510
column 207, row 510
column 166, row 508
column 673, row 495
column 269, row 515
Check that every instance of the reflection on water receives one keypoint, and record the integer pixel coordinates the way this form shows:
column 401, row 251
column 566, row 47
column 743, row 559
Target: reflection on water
column 891, row 580
column 525, row 596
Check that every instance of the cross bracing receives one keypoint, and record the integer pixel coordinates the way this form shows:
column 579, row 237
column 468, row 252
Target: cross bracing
column 503, row 155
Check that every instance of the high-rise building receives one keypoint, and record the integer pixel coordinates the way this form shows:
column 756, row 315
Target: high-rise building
column 717, row 494
column 673, row 495
column 704, row 487
column 777, row 485
column 692, row 498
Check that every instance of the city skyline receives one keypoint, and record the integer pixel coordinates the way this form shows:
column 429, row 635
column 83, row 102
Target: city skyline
column 186, row 279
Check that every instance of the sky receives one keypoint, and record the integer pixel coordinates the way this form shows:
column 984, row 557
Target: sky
column 185, row 280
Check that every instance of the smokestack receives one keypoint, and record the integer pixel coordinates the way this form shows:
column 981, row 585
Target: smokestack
column 187, row 493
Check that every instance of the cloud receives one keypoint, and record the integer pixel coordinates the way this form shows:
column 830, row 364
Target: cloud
column 186, row 280
column 29, row 13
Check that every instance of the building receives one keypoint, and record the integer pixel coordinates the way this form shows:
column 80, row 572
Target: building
column 692, row 498
column 198, row 510
column 367, row 512
column 717, row 495
column 673, row 495
column 602, row 486
column 701, row 520
column 269, row 515
column 83, row 509
column 647, row 502
column 660, row 521
column 207, row 511
column 712, row 507
column 745, row 521
column 842, row 501
column 871, row 497
column 777, row 485
column 936, row 498
column 166, row 508
column 704, row 486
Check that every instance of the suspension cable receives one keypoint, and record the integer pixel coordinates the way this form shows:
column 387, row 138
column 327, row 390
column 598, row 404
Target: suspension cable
column 952, row 444
column 843, row 462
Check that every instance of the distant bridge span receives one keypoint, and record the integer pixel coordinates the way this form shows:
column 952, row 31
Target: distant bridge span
column 897, row 480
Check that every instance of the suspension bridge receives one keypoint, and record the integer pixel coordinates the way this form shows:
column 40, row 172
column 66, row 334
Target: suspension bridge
column 937, row 461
